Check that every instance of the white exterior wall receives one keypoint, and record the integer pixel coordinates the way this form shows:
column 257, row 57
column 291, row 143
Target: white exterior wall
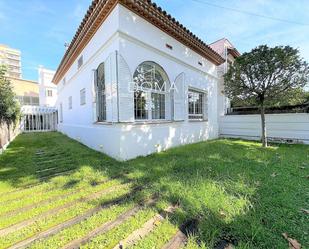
column 45, row 84
column 136, row 41
column 287, row 126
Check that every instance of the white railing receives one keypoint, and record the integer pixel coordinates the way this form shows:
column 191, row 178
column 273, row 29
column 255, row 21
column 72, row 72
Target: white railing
column 38, row 119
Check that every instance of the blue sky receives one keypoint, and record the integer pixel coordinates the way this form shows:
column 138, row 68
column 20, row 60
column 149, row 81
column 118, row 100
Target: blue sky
column 39, row 28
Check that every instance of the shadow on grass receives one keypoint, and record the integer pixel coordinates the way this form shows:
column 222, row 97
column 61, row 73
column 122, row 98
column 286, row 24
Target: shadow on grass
column 236, row 190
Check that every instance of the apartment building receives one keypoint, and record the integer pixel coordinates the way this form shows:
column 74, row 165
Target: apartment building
column 11, row 58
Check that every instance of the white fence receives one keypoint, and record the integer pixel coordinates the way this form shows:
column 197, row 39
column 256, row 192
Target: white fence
column 7, row 134
column 292, row 126
column 36, row 118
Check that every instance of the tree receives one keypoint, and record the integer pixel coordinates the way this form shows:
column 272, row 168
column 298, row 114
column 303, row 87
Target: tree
column 9, row 107
column 294, row 97
column 265, row 76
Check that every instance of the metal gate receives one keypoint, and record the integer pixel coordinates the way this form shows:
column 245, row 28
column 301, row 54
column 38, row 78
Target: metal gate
column 38, row 119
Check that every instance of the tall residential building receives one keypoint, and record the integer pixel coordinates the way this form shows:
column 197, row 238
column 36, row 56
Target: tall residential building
column 11, row 59
column 27, row 91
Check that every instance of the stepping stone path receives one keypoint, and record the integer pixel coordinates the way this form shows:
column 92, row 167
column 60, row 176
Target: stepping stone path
column 117, row 193
column 53, row 211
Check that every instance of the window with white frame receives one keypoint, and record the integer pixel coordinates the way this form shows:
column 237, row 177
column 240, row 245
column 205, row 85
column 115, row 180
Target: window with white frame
column 70, row 103
column 83, row 96
column 196, row 105
column 49, row 93
column 100, row 93
column 150, row 95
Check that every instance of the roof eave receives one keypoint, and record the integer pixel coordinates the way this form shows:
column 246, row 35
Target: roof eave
column 99, row 10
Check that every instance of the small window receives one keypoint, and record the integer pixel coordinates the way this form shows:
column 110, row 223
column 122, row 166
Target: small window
column 169, row 46
column 64, row 81
column 80, row 62
column 200, row 63
column 196, row 105
column 83, row 96
column 70, row 102
column 49, row 93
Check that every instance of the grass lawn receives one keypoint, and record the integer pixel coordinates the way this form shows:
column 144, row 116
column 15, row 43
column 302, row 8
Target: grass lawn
column 55, row 192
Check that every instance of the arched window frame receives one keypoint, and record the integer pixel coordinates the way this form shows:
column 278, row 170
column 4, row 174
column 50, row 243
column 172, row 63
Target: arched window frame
column 152, row 99
column 100, row 93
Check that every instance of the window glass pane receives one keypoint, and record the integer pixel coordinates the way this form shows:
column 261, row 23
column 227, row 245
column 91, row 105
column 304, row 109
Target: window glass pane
column 35, row 100
column 195, row 107
column 70, row 102
column 49, row 93
column 83, row 96
column 158, row 106
column 140, row 110
column 80, row 62
column 191, row 103
column 150, row 80
column 27, row 100
column 101, row 96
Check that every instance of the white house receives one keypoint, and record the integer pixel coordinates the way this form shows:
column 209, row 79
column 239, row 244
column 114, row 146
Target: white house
column 135, row 81
column 47, row 89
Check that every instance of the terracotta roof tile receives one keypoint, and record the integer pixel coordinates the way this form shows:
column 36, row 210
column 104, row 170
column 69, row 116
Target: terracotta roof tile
column 100, row 9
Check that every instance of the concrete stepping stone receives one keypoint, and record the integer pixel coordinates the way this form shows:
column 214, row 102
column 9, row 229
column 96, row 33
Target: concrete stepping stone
column 44, row 170
column 179, row 240
column 147, row 227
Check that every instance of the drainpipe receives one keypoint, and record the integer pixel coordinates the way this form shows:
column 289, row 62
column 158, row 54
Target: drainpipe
column 117, row 83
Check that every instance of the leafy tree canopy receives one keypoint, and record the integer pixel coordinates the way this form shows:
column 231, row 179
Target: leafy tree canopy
column 274, row 76
column 9, row 107
column 266, row 77
column 294, row 97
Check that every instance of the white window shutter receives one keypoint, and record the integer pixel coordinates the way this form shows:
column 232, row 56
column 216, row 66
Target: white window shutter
column 111, row 87
column 94, row 96
column 205, row 107
column 179, row 98
column 125, row 91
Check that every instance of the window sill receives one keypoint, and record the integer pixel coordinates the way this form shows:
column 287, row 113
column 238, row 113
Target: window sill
column 151, row 122
column 103, row 123
column 140, row 122
column 155, row 122
column 197, row 120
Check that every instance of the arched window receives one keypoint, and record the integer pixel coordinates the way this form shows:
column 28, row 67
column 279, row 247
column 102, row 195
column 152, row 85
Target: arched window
column 100, row 92
column 151, row 92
